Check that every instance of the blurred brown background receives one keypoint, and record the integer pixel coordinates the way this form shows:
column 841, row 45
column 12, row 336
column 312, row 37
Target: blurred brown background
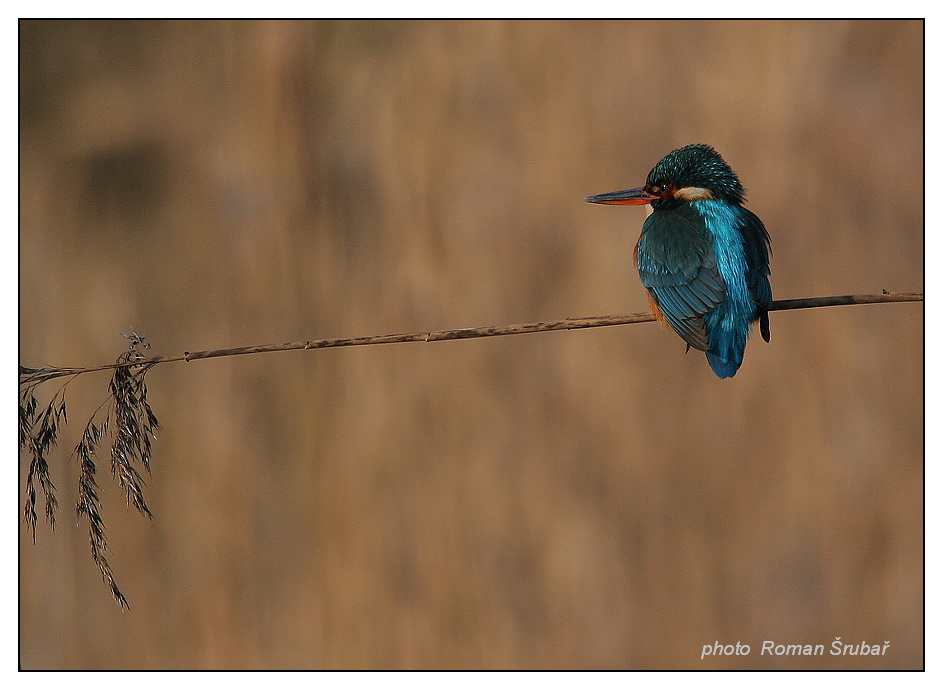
column 585, row 499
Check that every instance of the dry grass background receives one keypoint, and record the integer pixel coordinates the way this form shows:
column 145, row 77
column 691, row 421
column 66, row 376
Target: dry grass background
column 561, row 500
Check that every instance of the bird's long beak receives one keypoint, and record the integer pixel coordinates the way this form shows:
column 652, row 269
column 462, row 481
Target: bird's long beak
column 628, row 197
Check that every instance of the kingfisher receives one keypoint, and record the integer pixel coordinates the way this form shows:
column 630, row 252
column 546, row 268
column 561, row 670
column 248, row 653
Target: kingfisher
column 702, row 256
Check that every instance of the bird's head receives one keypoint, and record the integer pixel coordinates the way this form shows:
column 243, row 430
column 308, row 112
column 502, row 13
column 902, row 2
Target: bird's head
column 691, row 173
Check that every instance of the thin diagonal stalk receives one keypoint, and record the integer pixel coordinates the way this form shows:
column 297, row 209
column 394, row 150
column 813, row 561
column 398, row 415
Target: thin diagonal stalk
column 462, row 333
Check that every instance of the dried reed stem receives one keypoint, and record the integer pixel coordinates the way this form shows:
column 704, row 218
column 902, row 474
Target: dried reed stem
column 461, row 333
column 131, row 423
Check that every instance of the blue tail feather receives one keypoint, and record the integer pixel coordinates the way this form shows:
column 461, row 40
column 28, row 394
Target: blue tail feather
column 724, row 368
column 726, row 352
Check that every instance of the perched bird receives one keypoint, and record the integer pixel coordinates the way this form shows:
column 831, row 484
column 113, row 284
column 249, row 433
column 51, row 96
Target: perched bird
column 702, row 256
